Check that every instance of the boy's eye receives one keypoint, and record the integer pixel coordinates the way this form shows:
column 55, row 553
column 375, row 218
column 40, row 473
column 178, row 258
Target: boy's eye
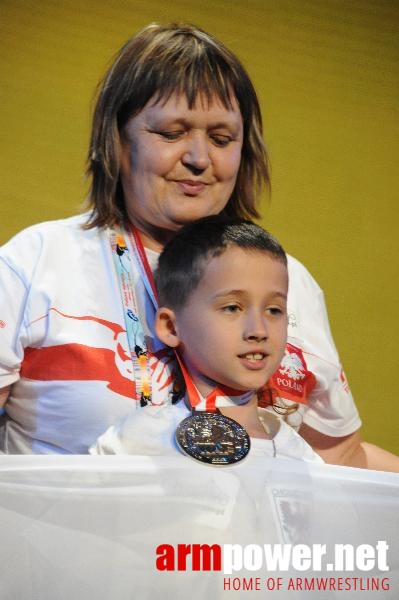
column 275, row 310
column 231, row 308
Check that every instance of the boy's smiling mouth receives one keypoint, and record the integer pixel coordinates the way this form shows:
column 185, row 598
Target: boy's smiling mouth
column 253, row 357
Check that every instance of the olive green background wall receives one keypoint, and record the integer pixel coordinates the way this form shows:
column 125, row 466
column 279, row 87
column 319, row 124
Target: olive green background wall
column 327, row 76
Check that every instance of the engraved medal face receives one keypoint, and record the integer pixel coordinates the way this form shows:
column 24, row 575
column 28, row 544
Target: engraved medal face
column 213, row 438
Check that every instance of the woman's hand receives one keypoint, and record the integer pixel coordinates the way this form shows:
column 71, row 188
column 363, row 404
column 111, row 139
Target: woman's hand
column 4, row 392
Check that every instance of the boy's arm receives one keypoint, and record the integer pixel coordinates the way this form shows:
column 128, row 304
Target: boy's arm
column 350, row 451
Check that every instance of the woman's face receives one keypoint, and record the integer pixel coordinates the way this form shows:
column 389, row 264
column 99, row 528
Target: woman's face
column 179, row 164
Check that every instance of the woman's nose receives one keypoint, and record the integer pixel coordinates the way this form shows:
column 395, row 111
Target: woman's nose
column 196, row 153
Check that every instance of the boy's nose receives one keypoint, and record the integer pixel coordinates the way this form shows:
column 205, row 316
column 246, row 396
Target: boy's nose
column 256, row 328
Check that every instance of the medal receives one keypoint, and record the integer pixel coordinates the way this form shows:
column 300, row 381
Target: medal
column 212, row 438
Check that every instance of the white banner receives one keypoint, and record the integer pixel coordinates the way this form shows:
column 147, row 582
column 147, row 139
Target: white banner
column 124, row 528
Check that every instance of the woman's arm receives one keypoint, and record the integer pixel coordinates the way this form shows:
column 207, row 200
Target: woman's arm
column 4, row 395
column 350, row 451
column 331, row 423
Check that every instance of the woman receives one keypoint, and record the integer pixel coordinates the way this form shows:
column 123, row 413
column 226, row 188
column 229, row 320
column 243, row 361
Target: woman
column 177, row 135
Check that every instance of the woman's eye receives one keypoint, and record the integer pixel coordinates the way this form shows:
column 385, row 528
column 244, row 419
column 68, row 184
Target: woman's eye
column 170, row 135
column 221, row 140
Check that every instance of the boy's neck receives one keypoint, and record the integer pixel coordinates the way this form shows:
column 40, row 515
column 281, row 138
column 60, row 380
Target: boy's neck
column 247, row 415
column 208, row 395
column 238, row 405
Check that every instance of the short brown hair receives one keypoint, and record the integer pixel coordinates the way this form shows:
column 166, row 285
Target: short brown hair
column 154, row 64
column 183, row 261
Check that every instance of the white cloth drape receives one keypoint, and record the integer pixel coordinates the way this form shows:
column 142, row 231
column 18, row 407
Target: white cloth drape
column 87, row 527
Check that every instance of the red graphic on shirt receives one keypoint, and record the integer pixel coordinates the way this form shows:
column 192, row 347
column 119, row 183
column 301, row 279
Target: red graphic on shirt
column 344, row 382
column 292, row 380
column 81, row 362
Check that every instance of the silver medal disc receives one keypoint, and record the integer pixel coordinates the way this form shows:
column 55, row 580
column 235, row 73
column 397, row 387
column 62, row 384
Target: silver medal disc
column 213, row 438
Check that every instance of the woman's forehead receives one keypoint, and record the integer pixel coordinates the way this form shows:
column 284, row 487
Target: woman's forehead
column 202, row 99
column 204, row 111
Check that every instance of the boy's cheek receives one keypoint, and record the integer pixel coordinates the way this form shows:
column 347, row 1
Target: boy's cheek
column 281, row 350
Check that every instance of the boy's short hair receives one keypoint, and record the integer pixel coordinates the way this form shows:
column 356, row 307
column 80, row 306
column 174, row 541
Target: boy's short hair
column 182, row 262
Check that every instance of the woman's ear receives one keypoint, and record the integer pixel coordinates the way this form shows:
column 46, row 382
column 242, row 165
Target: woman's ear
column 165, row 327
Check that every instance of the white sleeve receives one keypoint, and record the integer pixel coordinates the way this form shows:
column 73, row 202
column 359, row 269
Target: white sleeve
column 311, row 356
column 14, row 292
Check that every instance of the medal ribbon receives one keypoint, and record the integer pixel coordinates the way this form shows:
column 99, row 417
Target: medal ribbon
column 220, row 396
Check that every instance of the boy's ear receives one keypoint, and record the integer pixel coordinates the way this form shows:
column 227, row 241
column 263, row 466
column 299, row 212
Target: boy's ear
column 165, row 327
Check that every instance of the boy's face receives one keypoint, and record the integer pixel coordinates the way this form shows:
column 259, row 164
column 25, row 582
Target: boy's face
column 233, row 328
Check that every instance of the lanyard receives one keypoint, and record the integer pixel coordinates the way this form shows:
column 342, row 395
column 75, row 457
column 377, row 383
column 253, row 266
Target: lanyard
column 134, row 329
column 220, row 395
column 143, row 265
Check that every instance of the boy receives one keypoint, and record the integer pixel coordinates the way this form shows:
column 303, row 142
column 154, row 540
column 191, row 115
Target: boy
column 222, row 287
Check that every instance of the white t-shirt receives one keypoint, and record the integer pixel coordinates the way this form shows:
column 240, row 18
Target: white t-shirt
column 64, row 350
